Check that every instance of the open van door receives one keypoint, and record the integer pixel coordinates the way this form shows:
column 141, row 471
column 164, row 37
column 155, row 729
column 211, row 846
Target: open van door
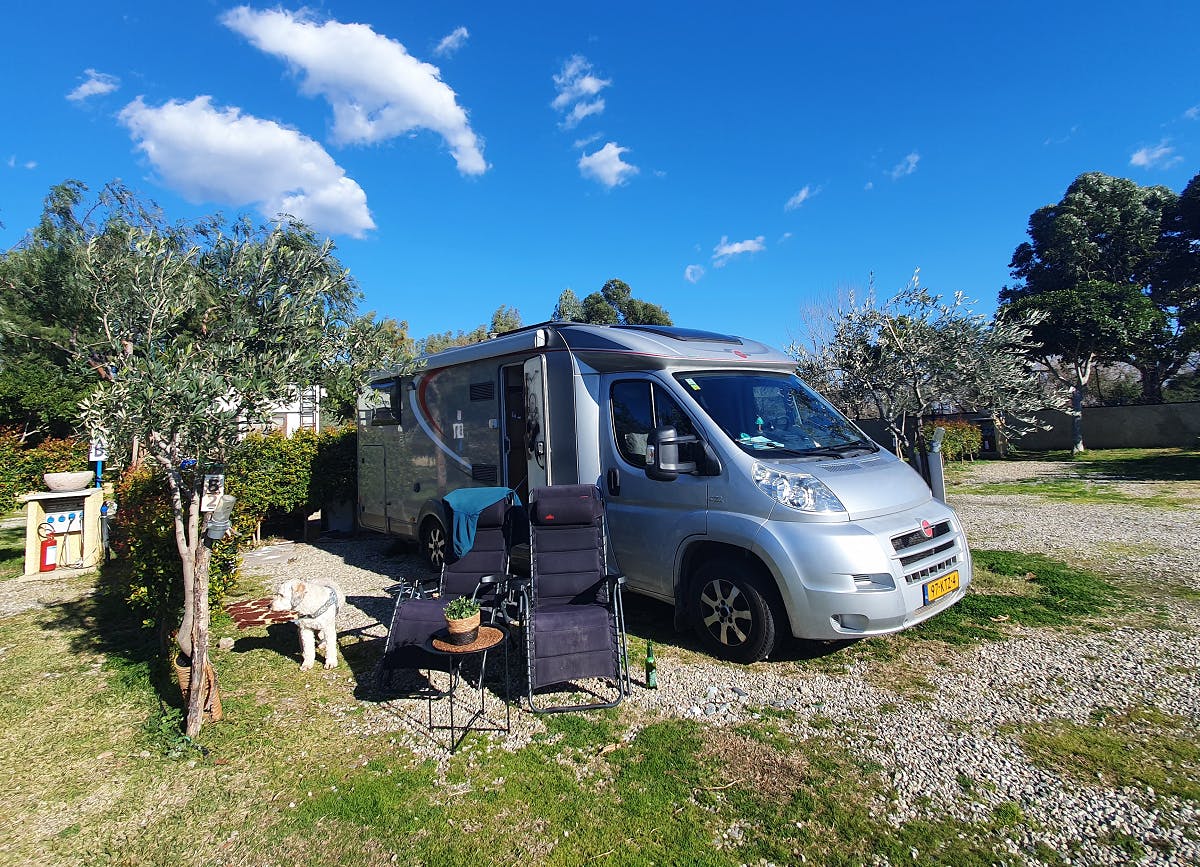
column 537, row 427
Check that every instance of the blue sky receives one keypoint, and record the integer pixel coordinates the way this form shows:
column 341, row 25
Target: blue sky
column 734, row 163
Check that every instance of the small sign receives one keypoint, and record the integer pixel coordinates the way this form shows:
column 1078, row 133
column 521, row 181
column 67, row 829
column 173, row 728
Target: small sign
column 214, row 489
column 458, row 430
column 98, row 451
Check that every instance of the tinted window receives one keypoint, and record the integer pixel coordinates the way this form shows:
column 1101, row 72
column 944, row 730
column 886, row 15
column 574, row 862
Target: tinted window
column 639, row 406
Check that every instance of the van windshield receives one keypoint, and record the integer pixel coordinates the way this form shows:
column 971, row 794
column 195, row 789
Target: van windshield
column 774, row 415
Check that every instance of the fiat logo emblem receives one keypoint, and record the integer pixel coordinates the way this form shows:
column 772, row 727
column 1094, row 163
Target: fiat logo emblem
column 927, row 529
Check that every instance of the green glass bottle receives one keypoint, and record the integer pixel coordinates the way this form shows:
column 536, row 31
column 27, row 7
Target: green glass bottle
column 651, row 667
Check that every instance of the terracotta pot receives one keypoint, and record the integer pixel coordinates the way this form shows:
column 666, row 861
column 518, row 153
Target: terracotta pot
column 462, row 631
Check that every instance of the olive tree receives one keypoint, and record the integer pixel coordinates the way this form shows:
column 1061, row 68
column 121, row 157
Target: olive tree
column 915, row 354
column 202, row 330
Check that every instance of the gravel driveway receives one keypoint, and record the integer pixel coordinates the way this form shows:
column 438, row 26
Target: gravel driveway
column 947, row 751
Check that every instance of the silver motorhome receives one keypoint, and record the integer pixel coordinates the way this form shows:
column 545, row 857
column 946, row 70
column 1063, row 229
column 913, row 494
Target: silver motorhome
column 734, row 491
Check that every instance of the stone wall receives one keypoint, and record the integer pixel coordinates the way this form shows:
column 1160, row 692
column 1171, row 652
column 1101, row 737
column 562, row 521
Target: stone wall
column 1104, row 427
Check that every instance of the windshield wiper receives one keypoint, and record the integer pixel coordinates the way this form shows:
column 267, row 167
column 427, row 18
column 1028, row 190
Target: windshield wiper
column 842, row 450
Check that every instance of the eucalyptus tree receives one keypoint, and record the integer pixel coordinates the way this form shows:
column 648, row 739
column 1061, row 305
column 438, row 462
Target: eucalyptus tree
column 915, row 354
column 201, row 330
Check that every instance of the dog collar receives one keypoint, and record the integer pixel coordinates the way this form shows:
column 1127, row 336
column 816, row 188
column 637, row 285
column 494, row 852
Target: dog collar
column 331, row 602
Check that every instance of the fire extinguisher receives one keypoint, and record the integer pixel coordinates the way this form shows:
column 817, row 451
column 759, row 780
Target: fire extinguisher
column 49, row 552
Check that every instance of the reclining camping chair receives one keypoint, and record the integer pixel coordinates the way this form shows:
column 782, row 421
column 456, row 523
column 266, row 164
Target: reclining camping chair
column 574, row 619
column 480, row 572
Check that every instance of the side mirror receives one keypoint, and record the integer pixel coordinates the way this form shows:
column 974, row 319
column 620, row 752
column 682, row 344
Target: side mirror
column 662, row 454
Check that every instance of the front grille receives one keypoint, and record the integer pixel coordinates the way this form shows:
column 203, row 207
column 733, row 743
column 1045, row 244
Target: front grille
column 921, row 555
column 905, row 541
column 931, row 571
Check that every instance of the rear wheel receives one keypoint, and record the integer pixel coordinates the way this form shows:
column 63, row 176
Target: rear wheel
column 433, row 543
column 732, row 610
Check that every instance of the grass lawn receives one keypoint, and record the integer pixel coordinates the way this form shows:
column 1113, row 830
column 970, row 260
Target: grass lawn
column 12, row 552
column 1097, row 476
column 97, row 771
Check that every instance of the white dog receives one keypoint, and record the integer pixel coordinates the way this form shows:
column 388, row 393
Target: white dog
column 316, row 605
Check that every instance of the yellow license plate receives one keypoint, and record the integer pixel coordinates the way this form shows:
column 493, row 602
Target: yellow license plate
column 939, row 587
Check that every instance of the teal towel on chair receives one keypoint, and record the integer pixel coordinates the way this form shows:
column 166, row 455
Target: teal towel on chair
column 467, row 503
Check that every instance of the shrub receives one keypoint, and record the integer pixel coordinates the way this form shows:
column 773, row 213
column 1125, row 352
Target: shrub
column 22, row 465
column 143, row 535
column 963, row 439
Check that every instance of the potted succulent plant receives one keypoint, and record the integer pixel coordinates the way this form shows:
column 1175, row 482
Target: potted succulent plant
column 462, row 620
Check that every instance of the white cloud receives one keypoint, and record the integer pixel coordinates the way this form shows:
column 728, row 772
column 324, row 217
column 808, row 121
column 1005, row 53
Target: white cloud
column 576, row 91
column 802, row 196
column 97, row 84
column 725, row 251
column 1161, row 156
column 693, row 273
column 224, row 156
column 784, row 237
column 1193, row 113
column 581, row 143
column 28, row 164
column 868, row 186
column 450, row 44
column 376, row 88
column 906, row 166
column 606, row 166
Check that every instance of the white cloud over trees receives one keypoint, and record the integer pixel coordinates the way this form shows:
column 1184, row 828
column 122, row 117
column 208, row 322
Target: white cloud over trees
column 221, row 155
column 377, row 90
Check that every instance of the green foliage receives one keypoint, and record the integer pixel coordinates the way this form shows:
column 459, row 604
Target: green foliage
column 914, row 353
column 22, row 464
column 1114, row 265
column 273, row 475
column 143, row 537
column 504, row 318
column 461, row 608
column 962, row 440
column 614, row 304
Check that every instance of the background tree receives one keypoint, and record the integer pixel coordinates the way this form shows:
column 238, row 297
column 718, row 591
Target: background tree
column 369, row 345
column 504, row 318
column 1089, row 266
column 1094, row 263
column 568, row 309
column 1175, row 288
column 913, row 355
column 202, row 329
column 614, row 304
column 43, row 372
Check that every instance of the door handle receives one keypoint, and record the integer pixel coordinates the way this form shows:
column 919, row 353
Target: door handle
column 614, row 482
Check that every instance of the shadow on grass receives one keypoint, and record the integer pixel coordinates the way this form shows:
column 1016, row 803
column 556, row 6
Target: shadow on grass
column 103, row 622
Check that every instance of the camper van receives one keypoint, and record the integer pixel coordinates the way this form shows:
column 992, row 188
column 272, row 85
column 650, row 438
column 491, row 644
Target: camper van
column 734, row 492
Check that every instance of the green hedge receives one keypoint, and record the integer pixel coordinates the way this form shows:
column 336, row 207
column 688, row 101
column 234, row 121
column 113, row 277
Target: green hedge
column 22, row 465
column 963, row 439
column 271, row 475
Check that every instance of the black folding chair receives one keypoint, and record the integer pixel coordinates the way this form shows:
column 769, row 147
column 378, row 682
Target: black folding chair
column 572, row 610
column 481, row 573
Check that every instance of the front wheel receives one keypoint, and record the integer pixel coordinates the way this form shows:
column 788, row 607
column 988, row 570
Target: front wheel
column 732, row 612
column 433, row 543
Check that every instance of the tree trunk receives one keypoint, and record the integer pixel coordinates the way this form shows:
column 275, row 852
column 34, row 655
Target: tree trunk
column 1077, row 419
column 195, row 556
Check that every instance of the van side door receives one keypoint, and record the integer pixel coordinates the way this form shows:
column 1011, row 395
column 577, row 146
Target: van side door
column 648, row 520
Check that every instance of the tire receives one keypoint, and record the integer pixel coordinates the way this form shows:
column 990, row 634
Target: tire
column 433, row 543
column 732, row 610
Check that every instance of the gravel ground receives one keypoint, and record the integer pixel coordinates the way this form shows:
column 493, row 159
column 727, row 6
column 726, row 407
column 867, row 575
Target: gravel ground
column 948, row 750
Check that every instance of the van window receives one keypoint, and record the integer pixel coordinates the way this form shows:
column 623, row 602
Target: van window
column 774, row 413
column 639, row 406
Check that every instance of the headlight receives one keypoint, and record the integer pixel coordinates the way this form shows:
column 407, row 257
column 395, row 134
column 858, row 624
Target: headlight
column 798, row 491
